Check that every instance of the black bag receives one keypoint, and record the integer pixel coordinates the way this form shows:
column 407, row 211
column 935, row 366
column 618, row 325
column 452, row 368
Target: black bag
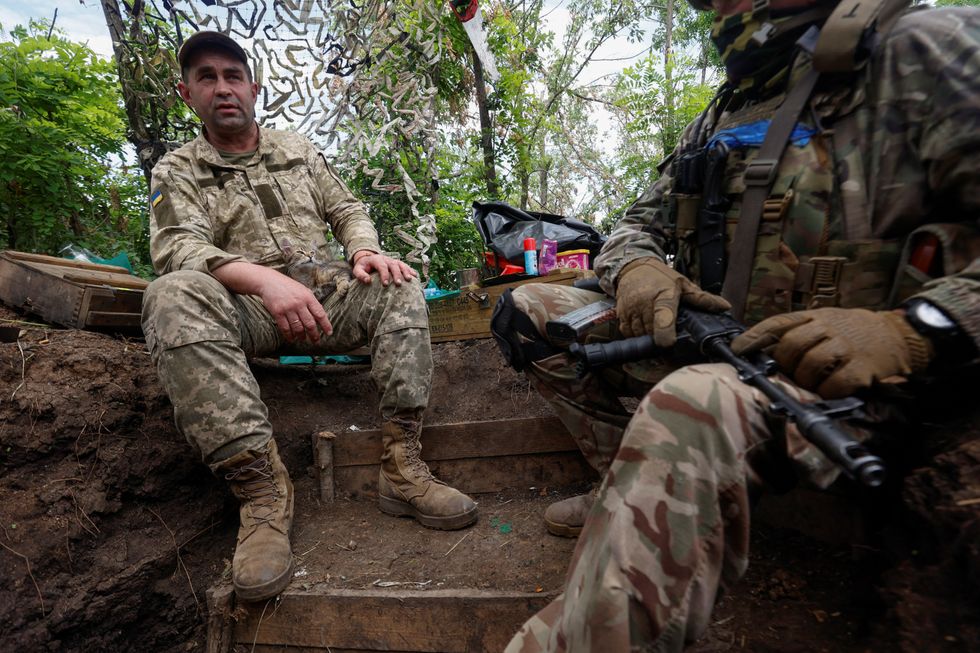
column 504, row 228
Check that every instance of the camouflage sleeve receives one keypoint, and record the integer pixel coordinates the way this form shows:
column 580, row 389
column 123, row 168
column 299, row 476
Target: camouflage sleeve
column 931, row 69
column 638, row 234
column 642, row 232
column 346, row 215
column 959, row 296
column 181, row 235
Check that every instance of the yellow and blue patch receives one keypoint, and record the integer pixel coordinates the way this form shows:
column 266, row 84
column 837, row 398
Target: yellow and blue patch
column 156, row 198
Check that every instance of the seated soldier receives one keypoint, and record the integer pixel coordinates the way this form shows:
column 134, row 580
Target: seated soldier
column 847, row 233
column 225, row 208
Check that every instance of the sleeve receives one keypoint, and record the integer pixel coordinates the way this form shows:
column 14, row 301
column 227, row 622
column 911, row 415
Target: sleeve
column 181, row 235
column 347, row 216
column 639, row 234
column 938, row 81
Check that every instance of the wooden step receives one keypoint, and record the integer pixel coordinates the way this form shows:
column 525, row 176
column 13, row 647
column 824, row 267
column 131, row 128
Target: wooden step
column 365, row 581
column 476, row 457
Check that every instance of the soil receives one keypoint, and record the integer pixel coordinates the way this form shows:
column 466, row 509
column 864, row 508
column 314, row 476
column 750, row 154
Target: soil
column 111, row 530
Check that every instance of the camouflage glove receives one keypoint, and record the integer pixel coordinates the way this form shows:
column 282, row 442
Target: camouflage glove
column 836, row 351
column 647, row 297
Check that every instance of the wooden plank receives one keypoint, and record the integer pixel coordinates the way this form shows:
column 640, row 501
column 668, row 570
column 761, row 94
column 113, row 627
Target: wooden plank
column 467, row 315
column 463, row 440
column 107, row 279
column 64, row 262
column 479, row 475
column 323, row 462
column 221, row 602
column 434, row 621
column 106, row 319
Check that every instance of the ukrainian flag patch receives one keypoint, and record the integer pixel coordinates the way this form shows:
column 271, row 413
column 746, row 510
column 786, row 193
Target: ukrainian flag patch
column 156, row 198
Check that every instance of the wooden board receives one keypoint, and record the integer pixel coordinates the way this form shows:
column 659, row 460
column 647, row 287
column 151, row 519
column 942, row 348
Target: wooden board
column 467, row 315
column 72, row 293
column 434, row 621
column 476, row 457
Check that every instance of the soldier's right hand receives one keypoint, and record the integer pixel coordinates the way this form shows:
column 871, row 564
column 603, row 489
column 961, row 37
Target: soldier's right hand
column 298, row 315
column 648, row 294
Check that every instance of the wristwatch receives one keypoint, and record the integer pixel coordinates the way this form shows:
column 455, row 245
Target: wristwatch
column 945, row 335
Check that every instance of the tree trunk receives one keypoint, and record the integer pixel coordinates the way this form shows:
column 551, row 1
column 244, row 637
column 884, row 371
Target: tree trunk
column 543, row 171
column 148, row 148
column 486, row 129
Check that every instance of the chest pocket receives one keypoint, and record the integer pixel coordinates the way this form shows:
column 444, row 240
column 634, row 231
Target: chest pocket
column 796, row 222
column 301, row 203
column 237, row 219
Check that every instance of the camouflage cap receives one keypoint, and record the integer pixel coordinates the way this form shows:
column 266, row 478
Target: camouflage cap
column 212, row 41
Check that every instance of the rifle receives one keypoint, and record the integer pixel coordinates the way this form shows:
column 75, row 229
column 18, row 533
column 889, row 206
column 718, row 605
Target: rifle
column 706, row 336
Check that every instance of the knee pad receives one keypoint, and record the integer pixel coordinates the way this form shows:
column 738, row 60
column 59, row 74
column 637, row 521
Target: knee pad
column 519, row 341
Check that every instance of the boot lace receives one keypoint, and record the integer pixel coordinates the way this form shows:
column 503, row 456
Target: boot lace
column 258, row 488
column 413, row 456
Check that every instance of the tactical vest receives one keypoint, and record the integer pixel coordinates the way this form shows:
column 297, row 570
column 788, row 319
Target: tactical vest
column 813, row 244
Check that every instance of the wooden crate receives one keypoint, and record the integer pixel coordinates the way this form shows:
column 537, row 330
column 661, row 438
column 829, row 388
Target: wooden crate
column 475, row 457
column 467, row 315
column 71, row 293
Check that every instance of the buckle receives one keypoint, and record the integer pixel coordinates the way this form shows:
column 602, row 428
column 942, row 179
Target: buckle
column 826, row 274
column 760, row 172
column 775, row 208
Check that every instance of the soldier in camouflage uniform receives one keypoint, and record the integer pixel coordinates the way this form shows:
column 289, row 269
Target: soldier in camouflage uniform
column 865, row 279
column 227, row 208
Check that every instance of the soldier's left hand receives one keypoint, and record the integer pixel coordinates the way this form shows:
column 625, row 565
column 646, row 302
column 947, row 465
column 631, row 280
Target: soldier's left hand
column 837, row 351
column 388, row 269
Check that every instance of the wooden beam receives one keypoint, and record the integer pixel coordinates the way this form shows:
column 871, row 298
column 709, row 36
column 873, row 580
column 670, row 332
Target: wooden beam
column 506, row 437
column 480, row 475
column 433, row 621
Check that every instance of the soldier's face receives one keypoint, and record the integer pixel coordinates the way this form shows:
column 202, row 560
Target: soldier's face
column 219, row 89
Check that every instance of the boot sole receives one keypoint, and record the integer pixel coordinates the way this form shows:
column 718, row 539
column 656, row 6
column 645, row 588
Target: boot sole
column 398, row 508
column 562, row 530
column 265, row 591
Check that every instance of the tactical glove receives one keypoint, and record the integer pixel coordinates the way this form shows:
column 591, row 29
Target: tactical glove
column 647, row 297
column 836, row 351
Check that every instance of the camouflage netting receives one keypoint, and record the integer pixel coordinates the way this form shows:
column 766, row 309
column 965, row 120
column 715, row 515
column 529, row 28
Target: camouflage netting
column 354, row 78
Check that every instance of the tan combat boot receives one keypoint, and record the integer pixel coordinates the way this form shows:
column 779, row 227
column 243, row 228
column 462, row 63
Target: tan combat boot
column 406, row 487
column 565, row 518
column 263, row 561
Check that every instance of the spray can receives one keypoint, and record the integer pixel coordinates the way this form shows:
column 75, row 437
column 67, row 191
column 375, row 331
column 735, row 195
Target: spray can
column 530, row 256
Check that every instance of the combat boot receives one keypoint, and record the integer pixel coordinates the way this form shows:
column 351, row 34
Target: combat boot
column 406, row 487
column 565, row 518
column 263, row 561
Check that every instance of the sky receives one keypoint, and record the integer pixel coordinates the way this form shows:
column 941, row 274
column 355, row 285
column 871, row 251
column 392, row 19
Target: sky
column 82, row 20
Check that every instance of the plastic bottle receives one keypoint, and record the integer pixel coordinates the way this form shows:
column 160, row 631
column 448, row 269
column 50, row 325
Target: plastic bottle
column 530, row 256
column 549, row 253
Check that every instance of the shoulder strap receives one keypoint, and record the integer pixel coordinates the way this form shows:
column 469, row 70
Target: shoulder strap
column 759, row 176
column 838, row 49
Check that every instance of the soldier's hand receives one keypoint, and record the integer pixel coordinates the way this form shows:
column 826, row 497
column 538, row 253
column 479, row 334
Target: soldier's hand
column 647, row 296
column 298, row 315
column 388, row 269
column 837, row 351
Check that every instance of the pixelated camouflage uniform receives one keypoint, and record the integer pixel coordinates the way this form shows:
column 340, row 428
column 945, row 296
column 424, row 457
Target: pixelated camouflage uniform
column 207, row 212
column 669, row 528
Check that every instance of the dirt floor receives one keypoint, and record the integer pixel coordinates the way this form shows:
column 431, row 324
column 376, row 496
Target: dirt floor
column 111, row 531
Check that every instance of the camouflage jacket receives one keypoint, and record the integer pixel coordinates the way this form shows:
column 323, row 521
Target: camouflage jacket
column 206, row 212
column 913, row 154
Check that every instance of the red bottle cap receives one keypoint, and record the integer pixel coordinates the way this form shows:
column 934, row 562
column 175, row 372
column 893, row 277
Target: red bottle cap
column 529, row 244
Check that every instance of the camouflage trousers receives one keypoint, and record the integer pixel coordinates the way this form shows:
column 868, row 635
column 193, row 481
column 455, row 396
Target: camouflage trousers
column 669, row 529
column 201, row 335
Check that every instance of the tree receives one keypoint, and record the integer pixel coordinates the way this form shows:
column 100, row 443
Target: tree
column 61, row 127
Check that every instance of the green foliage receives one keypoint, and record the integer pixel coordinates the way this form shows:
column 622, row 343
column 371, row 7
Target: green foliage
column 61, row 130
